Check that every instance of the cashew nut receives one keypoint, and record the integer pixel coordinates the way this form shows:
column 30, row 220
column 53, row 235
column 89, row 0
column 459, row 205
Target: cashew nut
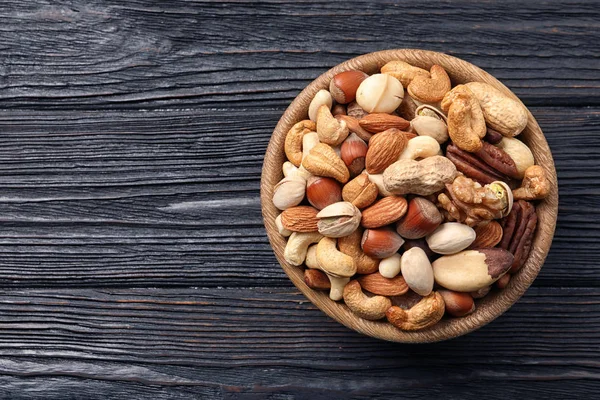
column 337, row 287
column 297, row 246
column 371, row 308
column 311, row 257
column 403, row 71
column 322, row 97
column 466, row 124
column 332, row 261
column 424, row 314
column 330, row 130
column 290, row 169
column 420, row 147
column 282, row 231
column 430, row 89
column 535, row 185
column 293, row 140
column 337, row 284
column 309, row 140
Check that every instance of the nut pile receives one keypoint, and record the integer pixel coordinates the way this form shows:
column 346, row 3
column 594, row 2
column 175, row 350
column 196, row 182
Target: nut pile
column 408, row 198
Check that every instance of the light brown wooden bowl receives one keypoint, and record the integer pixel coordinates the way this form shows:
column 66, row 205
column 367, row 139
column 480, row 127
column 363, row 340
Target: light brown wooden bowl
column 488, row 308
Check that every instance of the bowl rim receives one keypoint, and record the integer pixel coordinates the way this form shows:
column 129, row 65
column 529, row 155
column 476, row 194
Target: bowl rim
column 490, row 307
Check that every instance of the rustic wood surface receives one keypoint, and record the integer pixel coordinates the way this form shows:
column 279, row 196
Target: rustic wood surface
column 133, row 259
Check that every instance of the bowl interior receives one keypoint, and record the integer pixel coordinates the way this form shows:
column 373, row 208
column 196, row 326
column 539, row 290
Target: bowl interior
column 490, row 306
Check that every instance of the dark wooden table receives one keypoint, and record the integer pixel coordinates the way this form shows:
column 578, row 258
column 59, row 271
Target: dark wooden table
column 133, row 259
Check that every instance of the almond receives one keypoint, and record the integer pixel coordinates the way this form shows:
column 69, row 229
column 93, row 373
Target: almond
column 384, row 212
column 384, row 149
column 410, row 135
column 300, row 219
column 378, row 284
column 354, row 127
column 488, row 235
column 316, row 279
column 379, row 122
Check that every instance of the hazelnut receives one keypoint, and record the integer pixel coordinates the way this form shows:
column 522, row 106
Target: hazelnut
column 503, row 281
column 422, row 218
column 343, row 86
column 353, row 153
column 322, row 191
column 380, row 243
column 380, row 93
column 457, row 304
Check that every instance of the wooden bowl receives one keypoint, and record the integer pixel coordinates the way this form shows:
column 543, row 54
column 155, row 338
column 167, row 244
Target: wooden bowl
column 490, row 306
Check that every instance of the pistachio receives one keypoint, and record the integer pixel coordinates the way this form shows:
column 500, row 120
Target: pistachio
column 338, row 219
column 416, row 270
column 289, row 192
column 450, row 238
column 429, row 121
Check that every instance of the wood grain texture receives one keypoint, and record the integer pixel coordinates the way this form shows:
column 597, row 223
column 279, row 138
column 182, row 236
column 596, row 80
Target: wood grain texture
column 132, row 135
column 139, row 53
column 272, row 343
column 488, row 308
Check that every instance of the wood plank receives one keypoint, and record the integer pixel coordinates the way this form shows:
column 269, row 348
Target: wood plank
column 170, row 197
column 74, row 54
column 268, row 341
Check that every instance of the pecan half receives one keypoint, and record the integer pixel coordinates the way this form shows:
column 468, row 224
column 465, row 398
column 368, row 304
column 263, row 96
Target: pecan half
column 519, row 227
column 476, row 168
column 492, row 136
column 498, row 159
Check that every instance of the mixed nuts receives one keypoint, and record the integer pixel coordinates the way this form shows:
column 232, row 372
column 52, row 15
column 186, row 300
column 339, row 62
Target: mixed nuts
column 408, row 198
